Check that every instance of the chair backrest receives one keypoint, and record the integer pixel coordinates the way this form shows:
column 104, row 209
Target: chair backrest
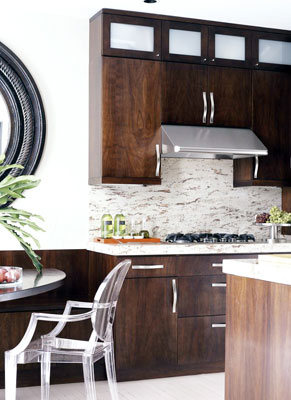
column 105, row 300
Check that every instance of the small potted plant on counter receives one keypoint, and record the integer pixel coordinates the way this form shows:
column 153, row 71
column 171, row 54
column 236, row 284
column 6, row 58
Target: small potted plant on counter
column 14, row 220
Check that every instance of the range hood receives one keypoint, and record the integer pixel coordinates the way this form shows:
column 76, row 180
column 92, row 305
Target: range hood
column 180, row 141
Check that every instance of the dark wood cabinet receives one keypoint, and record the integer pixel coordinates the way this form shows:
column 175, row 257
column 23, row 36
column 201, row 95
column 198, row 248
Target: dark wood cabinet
column 184, row 42
column 230, row 47
column 271, row 51
column 183, row 86
column 187, row 90
column 231, row 89
column 131, row 36
column 272, row 124
column 146, row 326
column 125, row 143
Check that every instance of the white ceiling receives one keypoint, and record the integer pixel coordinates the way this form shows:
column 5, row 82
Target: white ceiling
column 273, row 13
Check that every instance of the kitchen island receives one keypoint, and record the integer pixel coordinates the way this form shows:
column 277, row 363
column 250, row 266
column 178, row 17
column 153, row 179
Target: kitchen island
column 258, row 328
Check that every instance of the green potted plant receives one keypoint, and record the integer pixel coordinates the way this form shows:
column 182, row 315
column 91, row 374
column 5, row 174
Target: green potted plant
column 14, row 220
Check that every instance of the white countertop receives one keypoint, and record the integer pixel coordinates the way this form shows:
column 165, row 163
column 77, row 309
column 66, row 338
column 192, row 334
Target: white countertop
column 270, row 271
column 140, row 249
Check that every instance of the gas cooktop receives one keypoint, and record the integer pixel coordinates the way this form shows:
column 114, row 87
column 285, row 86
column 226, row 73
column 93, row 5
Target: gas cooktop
column 181, row 238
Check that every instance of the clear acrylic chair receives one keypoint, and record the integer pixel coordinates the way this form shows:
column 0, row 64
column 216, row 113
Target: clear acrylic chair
column 52, row 349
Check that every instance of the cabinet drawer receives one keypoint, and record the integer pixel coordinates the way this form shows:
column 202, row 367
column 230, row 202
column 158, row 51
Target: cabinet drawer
column 201, row 339
column 148, row 267
column 201, row 295
column 206, row 264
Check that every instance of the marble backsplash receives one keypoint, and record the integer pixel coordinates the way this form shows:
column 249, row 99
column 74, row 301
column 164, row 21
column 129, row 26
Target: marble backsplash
column 195, row 196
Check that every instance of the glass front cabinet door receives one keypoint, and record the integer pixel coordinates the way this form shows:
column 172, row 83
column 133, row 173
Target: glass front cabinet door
column 184, row 42
column 230, row 47
column 132, row 37
column 272, row 51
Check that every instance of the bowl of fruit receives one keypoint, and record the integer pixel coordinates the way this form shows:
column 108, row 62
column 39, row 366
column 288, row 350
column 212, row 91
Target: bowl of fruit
column 10, row 276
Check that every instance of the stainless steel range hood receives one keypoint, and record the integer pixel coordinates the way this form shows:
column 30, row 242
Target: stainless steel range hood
column 179, row 141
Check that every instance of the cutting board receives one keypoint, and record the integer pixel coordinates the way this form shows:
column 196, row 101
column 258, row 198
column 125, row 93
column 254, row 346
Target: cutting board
column 118, row 241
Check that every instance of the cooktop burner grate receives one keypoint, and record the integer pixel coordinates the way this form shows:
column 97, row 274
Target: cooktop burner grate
column 209, row 238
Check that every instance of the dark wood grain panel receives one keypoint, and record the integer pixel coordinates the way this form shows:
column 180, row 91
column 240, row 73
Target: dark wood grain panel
column 182, row 93
column 258, row 329
column 197, row 296
column 232, row 90
column 199, row 342
column 286, row 206
column 146, row 327
column 131, row 118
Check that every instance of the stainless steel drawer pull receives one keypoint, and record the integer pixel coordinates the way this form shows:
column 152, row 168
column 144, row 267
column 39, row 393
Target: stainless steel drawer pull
column 256, row 167
column 147, row 267
column 175, row 295
column 215, row 265
column 205, row 108
column 158, row 160
column 218, row 284
column 218, row 325
column 212, row 107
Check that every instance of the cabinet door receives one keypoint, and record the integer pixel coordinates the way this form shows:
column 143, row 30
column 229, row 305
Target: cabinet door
column 230, row 92
column 145, row 326
column 201, row 340
column 272, row 123
column 133, row 37
column 230, row 47
column 183, row 88
column 184, row 42
column 272, row 51
column 131, row 121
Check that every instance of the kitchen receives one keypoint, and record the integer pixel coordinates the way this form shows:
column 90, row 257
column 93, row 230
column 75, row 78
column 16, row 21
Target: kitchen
column 200, row 188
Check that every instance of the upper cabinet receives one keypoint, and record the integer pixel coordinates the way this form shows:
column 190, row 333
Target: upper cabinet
column 272, row 51
column 184, row 42
column 132, row 37
column 230, row 47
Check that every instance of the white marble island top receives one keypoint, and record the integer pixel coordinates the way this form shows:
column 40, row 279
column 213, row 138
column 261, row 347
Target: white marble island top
column 138, row 249
column 270, row 268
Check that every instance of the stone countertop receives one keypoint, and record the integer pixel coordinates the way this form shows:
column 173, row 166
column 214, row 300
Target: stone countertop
column 275, row 271
column 154, row 249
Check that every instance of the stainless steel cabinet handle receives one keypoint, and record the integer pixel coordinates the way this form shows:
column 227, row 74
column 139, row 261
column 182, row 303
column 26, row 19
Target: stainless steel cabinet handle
column 212, row 107
column 218, row 284
column 158, row 160
column 219, row 265
column 175, row 295
column 147, row 267
column 256, row 167
column 205, row 108
column 218, row 325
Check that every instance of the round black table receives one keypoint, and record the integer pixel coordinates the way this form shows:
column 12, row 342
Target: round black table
column 34, row 283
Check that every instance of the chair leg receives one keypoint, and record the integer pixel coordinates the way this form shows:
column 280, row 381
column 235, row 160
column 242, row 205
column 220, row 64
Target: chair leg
column 89, row 378
column 10, row 377
column 45, row 375
column 111, row 374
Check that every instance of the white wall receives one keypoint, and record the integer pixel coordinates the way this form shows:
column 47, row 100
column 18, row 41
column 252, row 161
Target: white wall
column 51, row 38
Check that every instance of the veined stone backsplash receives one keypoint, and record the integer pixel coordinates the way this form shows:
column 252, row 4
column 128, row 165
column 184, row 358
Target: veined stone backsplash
column 195, row 196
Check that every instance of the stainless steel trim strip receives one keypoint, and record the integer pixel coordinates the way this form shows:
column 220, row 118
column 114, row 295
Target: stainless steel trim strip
column 219, row 265
column 175, row 295
column 218, row 284
column 205, row 108
column 147, row 267
column 218, row 325
column 212, row 108
column 158, row 160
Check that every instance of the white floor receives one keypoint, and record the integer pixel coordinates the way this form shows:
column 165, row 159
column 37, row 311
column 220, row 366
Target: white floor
column 195, row 387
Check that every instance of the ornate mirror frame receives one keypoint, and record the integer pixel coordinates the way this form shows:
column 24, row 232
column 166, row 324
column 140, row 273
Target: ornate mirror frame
column 27, row 115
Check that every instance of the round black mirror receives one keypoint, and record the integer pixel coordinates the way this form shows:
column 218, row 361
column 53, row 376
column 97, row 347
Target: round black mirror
column 22, row 118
